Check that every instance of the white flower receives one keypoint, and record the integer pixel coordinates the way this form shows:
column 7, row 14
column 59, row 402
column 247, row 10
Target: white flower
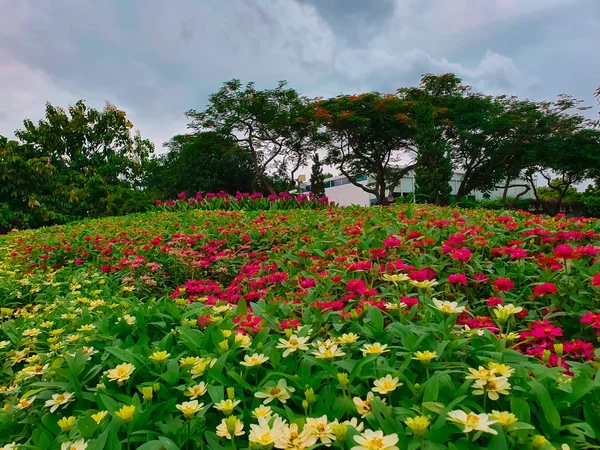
column 79, row 444
column 59, row 400
column 375, row 440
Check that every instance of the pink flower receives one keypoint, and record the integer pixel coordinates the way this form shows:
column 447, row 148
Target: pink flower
column 458, row 278
column 544, row 289
column 543, row 329
column 410, row 301
column 493, row 301
column 563, row 251
column 503, row 285
column 461, row 254
column 595, row 281
column 422, row 274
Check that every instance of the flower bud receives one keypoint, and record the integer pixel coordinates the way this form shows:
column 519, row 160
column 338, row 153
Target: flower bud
column 559, row 349
column 309, row 394
column 305, row 405
column 230, row 393
column 343, row 379
column 156, row 387
column 147, row 393
column 340, row 430
column 546, row 356
column 224, row 345
column 288, row 332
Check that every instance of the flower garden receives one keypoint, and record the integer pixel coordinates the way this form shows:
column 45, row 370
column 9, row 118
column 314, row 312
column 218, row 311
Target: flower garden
column 295, row 326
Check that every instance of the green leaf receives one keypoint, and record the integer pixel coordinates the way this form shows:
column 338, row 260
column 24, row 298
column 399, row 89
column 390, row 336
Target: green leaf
column 87, row 427
column 543, row 399
column 162, row 443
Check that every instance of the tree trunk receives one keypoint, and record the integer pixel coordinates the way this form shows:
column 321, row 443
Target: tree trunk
column 505, row 192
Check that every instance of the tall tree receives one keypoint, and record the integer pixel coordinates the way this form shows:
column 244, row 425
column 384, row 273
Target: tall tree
column 433, row 171
column 368, row 135
column 317, row 179
column 270, row 125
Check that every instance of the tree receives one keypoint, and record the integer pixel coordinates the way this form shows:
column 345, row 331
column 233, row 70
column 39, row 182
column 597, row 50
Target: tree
column 271, row 126
column 433, row 171
column 201, row 162
column 89, row 153
column 317, row 179
column 368, row 135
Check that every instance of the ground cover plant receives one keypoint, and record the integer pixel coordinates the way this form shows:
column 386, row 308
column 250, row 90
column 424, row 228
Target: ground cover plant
column 408, row 327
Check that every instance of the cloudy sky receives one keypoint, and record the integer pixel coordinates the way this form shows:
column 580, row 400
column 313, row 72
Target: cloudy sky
column 156, row 58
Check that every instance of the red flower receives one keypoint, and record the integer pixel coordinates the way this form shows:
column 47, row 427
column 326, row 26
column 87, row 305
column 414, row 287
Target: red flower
column 544, row 289
column 503, row 285
column 595, row 281
column 422, row 274
column 543, row 329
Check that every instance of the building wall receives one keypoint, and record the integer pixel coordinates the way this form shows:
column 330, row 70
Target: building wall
column 341, row 191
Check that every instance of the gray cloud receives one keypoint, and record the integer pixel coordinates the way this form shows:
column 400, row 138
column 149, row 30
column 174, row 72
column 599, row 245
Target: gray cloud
column 157, row 59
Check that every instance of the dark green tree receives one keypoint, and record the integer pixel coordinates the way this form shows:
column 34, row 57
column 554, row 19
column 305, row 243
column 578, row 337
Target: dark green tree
column 433, row 171
column 317, row 179
column 368, row 135
column 201, row 162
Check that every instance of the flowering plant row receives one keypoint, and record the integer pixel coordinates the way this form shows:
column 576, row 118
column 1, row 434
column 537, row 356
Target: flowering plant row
column 366, row 329
column 242, row 201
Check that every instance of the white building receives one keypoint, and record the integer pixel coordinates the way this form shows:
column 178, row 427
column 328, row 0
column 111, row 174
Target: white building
column 341, row 191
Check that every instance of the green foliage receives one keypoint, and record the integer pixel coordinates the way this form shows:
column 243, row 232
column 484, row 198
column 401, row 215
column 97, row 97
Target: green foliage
column 70, row 164
column 317, row 179
column 433, row 171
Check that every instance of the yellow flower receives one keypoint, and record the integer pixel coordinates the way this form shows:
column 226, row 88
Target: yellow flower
column 374, row 349
column 321, row 429
column 501, row 369
column 32, row 332
column 280, row 392
column 504, row 312
column 291, row 439
column 470, row 421
column 226, row 333
column 324, row 352
column 79, row 444
column 263, row 434
column 58, row 400
column 224, row 345
column 159, row 356
column 364, row 406
column 386, row 384
column 88, row 327
column 262, row 411
column 199, row 368
column 147, row 392
column 425, row 357
column 121, row 373
column 396, row 278
column 375, row 440
column 226, row 406
column 254, row 360
column 354, row 423
column 481, row 374
column 129, row 319
column 189, row 408
column 99, row 416
column 348, row 338
column 190, row 361
column 126, row 413
column 539, row 441
column 230, row 427
column 66, row 423
column 243, row 340
column 25, row 403
column 196, row 391
column 425, row 284
column 4, row 344
column 448, row 307
column 418, row 425
column 504, row 418
column 294, row 343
